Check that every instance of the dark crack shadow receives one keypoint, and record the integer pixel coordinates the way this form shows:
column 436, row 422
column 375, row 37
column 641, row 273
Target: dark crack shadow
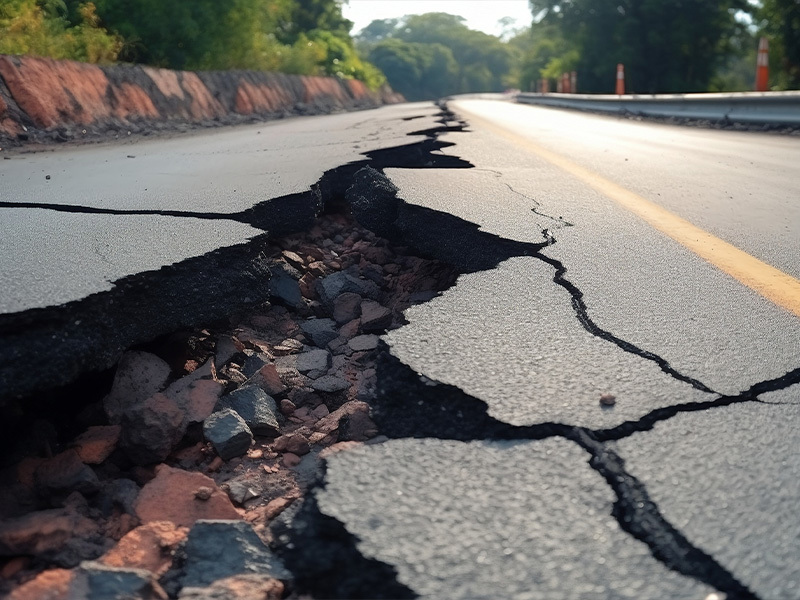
column 409, row 405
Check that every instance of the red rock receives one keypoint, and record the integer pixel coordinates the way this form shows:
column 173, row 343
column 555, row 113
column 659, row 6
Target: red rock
column 150, row 547
column 43, row 531
column 267, row 379
column 287, row 407
column 96, row 444
column 290, row 460
column 293, row 443
column 14, row 566
column 65, row 473
column 196, row 394
column 47, row 585
column 170, row 496
column 354, row 411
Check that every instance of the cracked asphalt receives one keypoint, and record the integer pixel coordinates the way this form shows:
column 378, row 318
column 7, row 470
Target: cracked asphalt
column 503, row 475
column 699, row 454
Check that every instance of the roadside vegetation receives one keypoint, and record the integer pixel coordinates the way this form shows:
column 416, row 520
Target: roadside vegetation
column 666, row 45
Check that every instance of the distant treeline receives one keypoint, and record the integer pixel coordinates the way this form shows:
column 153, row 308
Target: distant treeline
column 666, row 45
column 291, row 36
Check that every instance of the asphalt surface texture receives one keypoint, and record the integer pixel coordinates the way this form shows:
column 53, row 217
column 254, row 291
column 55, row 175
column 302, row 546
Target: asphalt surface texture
column 504, row 474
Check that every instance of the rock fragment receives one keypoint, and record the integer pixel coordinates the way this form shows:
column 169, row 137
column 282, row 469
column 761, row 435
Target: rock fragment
column 363, row 343
column 217, row 549
column 238, row 587
column 228, row 433
column 268, row 379
column 170, row 496
column 150, row 547
column 313, row 363
column 259, row 411
column 97, row 443
column 96, row 581
column 320, row 331
column 65, row 473
column 139, row 375
column 346, row 307
column 330, row 384
column 151, row 430
column 374, row 316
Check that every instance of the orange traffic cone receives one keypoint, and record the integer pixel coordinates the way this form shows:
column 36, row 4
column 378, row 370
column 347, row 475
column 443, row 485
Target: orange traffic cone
column 620, row 79
column 762, row 66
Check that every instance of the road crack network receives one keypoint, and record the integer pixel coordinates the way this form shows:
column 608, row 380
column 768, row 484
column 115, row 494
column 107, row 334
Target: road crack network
column 411, row 406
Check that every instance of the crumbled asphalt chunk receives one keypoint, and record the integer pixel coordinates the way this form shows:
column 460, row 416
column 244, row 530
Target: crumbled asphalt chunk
column 320, row 331
column 259, row 411
column 219, row 549
column 330, row 384
column 316, row 360
column 96, row 581
column 228, row 433
column 284, row 288
column 362, row 343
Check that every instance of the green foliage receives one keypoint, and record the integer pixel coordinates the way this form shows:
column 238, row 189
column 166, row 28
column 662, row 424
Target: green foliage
column 666, row 45
column 436, row 54
column 42, row 29
column 779, row 20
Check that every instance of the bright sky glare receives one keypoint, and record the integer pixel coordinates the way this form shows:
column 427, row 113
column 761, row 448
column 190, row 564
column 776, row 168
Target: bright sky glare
column 482, row 15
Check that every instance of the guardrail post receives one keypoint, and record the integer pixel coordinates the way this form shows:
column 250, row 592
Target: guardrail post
column 620, row 79
column 762, row 66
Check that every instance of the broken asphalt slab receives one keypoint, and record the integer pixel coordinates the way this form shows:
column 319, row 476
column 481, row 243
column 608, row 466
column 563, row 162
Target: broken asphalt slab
column 467, row 520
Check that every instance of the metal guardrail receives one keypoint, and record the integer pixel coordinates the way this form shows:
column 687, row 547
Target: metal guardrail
column 756, row 108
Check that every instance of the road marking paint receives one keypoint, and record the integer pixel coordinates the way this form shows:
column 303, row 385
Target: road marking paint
column 774, row 285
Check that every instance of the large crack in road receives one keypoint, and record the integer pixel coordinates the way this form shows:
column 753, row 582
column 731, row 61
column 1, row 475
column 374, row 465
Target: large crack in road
column 323, row 555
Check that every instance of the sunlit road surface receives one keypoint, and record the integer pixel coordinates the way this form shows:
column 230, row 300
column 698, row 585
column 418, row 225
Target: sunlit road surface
column 669, row 282
column 742, row 187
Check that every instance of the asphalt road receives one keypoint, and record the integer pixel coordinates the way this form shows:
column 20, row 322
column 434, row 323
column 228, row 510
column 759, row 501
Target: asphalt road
column 701, row 456
column 634, row 257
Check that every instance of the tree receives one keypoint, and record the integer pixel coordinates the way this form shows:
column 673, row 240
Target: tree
column 447, row 56
column 666, row 45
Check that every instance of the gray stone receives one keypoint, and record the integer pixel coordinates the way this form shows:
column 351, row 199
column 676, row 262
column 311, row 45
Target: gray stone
column 64, row 474
column 96, row 581
column 228, row 433
column 217, row 549
column 152, row 429
column 332, row 286
column 226, row 348
column 314, row 362
column 320, row 331
column 330, row 383
column 346, row 307
column 254, row 363
column 139, row 375
column 363, row 343
column 283, row 288
column 241, row 490
column 259, row 411
column 374, row 316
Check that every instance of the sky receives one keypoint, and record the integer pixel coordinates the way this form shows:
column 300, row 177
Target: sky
column 482, row 15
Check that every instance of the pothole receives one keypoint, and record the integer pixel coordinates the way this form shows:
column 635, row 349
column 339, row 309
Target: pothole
column 229, row 421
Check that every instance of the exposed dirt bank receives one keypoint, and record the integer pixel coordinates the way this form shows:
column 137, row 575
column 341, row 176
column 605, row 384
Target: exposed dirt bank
column 45, row 100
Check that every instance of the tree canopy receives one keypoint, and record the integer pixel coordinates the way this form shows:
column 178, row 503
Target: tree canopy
column 294, row 36
column 436, row 54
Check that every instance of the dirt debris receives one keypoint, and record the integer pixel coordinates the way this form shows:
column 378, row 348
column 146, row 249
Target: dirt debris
column 299, row 375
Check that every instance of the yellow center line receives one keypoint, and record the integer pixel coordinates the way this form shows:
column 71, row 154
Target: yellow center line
column 773, row 284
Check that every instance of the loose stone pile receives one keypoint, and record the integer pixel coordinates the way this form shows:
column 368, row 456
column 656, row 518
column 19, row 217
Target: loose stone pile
column 201, row 444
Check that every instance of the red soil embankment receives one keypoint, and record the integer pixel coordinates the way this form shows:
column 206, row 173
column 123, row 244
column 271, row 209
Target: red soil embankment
column 51, row 100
